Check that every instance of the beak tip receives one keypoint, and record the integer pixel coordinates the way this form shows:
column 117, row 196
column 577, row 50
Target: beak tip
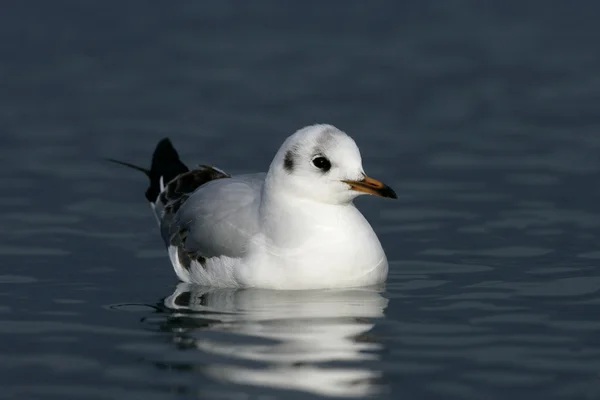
column 389, row 193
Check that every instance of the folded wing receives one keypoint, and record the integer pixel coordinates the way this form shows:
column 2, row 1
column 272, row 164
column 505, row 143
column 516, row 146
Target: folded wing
column 210, row 217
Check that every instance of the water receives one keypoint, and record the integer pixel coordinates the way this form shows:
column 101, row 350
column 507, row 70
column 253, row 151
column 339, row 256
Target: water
column 483, row 116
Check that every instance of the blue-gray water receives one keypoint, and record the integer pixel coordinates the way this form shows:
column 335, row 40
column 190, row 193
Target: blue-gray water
column 482, row 115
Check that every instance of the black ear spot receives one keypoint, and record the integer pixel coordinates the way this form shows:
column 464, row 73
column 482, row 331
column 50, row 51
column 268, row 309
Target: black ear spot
column 288, row 161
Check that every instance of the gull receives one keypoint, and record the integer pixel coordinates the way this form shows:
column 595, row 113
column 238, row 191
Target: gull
column 294, row 227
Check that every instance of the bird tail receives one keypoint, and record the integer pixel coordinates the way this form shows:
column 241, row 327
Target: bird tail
column 165, row 166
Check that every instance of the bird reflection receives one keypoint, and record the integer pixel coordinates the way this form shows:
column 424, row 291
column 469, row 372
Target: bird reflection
column 313, row 341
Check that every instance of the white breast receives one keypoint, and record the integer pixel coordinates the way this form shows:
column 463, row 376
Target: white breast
column 330, row 247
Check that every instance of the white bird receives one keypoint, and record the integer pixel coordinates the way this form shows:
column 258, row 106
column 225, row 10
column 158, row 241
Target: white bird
column 293, row 227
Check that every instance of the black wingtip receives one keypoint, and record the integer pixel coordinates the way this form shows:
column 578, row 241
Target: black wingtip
column 166, row 165
column 164, row 153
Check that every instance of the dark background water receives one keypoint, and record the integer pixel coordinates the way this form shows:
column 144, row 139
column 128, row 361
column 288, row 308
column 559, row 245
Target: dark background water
column 482, row 115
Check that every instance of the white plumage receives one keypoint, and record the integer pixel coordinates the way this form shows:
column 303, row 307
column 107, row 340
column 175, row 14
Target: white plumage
column 294, row 227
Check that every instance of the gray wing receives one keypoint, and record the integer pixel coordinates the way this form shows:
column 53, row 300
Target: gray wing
column 217, row 218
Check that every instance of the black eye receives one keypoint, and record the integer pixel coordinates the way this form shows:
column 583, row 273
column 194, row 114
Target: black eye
column 322, row 163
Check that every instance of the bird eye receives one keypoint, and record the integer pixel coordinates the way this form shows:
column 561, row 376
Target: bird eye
column 322, row 163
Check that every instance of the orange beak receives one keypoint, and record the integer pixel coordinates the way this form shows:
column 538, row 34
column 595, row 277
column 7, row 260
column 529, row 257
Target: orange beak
column 372, row 186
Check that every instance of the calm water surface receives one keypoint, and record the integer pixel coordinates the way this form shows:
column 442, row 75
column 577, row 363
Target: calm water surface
column 483, row 116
